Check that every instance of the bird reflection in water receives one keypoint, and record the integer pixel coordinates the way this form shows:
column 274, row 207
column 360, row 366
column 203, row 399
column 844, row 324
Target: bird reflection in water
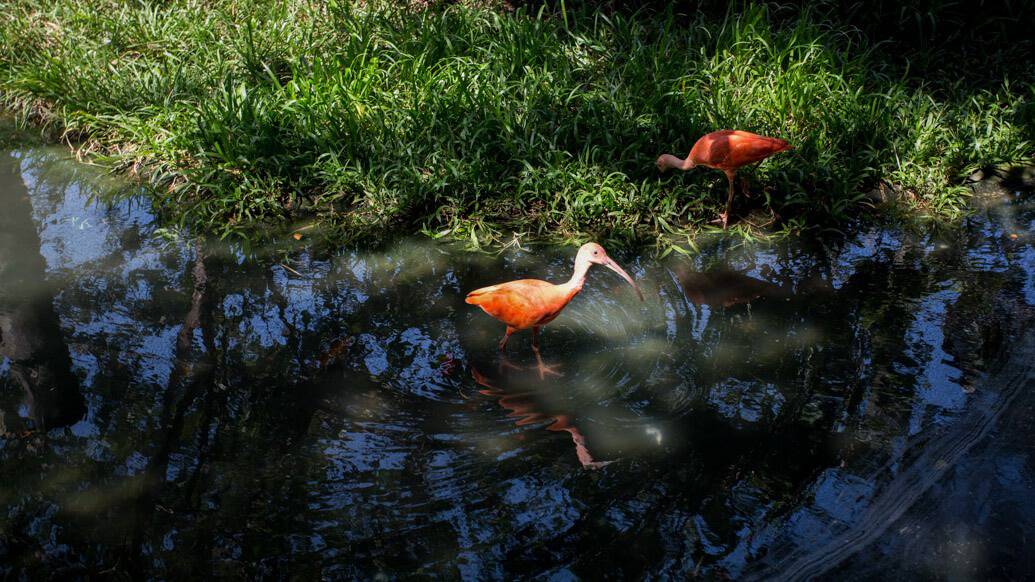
column 542, row 367
column 723, row 287
column 523, row 408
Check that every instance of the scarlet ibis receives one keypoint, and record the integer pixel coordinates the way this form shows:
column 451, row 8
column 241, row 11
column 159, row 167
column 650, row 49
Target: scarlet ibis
column 727, row 150
column 531, row 303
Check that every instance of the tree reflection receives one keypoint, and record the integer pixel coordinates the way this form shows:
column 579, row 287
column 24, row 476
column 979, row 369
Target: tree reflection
column 191, row 377
column 30, row 333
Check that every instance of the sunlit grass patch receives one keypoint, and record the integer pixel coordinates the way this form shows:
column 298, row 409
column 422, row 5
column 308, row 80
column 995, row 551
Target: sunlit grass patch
column 376, row 119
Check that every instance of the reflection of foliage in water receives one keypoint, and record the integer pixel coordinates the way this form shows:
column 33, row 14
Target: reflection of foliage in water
column 244, row 419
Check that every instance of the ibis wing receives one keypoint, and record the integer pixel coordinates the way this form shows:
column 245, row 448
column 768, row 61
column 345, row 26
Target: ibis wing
column 479, row 296
column 747, row 148
column 518, row 303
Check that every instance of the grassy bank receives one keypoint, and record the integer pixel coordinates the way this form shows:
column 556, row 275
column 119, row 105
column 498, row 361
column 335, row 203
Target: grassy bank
column 368, row 118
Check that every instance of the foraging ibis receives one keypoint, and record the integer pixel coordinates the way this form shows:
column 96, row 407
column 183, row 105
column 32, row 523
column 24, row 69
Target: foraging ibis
column 531, row 303
column 727, row 150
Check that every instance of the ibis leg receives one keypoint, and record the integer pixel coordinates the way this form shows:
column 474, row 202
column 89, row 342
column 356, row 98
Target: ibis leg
column 725, row 216
column 506, row 336
column 543, row 368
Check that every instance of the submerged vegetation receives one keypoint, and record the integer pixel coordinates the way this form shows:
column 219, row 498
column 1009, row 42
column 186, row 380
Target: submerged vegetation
column 365, row 118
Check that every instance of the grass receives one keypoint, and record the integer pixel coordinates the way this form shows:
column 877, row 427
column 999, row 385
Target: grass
column 367, row 118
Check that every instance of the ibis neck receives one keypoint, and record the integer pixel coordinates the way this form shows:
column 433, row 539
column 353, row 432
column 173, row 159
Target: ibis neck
column 678, row 164
column 574, row 285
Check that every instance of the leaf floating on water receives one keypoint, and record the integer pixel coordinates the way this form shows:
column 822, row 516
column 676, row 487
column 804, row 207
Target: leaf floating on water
column 447, row 363
column 335, row 351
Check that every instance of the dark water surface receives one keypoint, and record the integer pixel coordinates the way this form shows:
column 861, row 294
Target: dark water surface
column 853, row 410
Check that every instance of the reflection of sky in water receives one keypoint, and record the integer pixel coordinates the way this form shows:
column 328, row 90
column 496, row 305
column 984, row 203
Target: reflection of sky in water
column 739, row 431
column 363, row 451
column 745, row 400
column 74, row 230
column 1026, row 261
column 940, row 385
column 863, row 246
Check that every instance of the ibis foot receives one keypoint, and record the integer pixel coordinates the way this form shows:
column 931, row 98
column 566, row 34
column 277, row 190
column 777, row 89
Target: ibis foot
column 723, row 219
column 545, row 370
column 506, row 364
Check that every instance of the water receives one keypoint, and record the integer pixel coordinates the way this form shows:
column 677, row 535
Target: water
column 845, row 410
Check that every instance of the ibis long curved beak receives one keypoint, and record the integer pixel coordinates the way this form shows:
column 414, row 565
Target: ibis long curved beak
column 610, row 264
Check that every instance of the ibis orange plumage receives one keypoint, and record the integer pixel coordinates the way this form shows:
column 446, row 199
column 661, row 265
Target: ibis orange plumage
column 727, row 150
column 531, row 303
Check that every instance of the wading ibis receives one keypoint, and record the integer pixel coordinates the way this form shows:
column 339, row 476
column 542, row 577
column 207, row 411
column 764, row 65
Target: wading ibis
column 531, row 303
column 727, row 150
